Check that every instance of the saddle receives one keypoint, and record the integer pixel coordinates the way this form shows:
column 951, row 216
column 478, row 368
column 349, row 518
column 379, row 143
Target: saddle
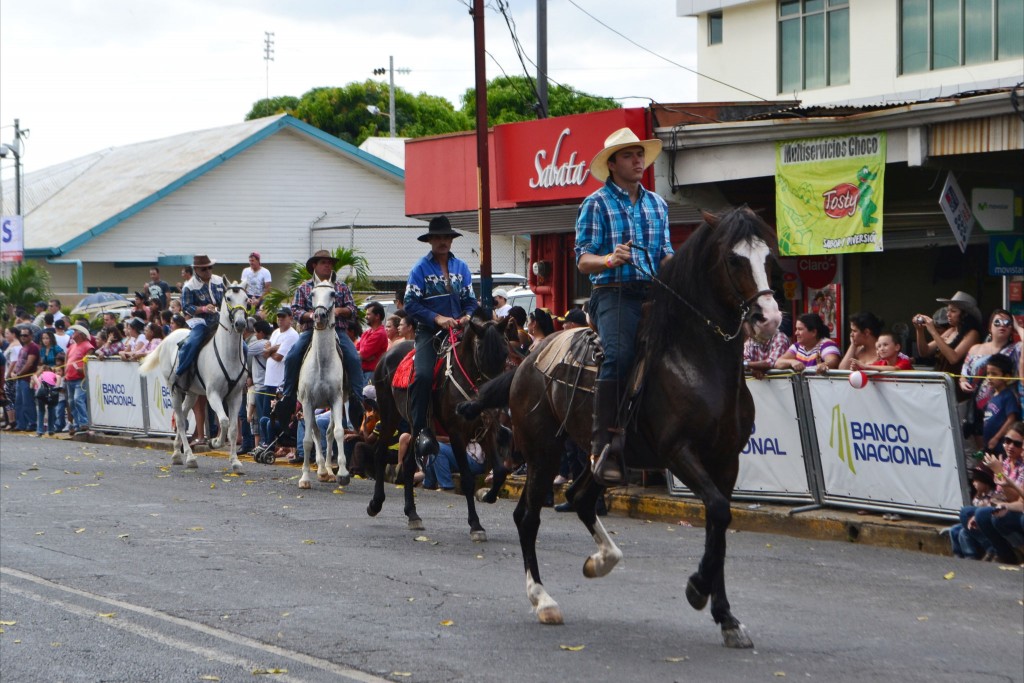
column 572, row 358
column 406, row 372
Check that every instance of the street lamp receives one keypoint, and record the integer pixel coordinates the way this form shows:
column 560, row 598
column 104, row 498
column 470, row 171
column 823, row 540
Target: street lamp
column 4, row 150
column 391, row 93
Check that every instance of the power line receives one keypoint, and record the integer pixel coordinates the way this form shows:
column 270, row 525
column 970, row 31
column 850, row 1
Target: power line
column 520, row 52
column 681, row 66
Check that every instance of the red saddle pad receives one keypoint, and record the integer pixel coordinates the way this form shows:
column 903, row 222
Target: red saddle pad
column 405, row 371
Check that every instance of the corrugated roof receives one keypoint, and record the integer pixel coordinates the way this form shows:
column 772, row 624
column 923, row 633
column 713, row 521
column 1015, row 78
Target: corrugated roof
column 82, row 198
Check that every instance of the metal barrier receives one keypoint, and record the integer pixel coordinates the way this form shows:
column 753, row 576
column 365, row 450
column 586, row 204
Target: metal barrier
column 121, row 400
column 891, row 446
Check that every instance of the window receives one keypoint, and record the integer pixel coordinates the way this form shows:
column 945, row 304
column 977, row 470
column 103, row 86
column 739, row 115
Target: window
column 714, row 28
column 938, row 34
column 814, row 44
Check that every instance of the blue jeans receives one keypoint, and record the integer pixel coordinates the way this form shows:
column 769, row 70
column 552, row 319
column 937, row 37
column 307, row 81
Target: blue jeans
column 423, row 379
column 77, row 397
column 247, row 438
column 24, row 406
column 45, row 412
column 616, row 313
column 439, row 470
column 972, row 542
column 322, row 420
column 264, row 394
column 62, row 411
column 187, row 354
column 1004, row 533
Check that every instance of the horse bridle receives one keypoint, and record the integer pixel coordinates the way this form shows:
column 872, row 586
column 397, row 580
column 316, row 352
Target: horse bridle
column 746, row 307
column 325, row 309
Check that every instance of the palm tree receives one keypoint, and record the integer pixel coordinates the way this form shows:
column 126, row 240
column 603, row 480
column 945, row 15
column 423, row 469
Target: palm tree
column 358, row 278
column 27, row 283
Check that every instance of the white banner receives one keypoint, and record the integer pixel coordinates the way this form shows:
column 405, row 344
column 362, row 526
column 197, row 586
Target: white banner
column 12, row 238
column 115, row 395
column 160, row 408
column 772, row 462
column 890, row 442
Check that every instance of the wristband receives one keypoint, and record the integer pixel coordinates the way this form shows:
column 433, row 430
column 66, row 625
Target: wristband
column 1000, row 477
column 608, row 261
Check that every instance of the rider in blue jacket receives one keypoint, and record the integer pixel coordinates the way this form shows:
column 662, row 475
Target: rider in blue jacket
column 200, row 298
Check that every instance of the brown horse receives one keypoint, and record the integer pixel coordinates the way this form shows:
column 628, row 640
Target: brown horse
column 692, row 415
column 480, row 355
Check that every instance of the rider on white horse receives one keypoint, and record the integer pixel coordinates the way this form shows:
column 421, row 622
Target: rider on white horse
column 321, row 265
column 200, row 299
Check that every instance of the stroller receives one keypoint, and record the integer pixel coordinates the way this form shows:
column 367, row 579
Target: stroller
column 279, row 438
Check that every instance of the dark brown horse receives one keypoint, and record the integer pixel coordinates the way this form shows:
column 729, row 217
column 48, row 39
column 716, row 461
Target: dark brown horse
column 480, row 355
column 692, row 415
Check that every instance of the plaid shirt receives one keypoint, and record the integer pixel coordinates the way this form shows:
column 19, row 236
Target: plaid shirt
column 303, row 301
column 754, row 351
column 607, row 218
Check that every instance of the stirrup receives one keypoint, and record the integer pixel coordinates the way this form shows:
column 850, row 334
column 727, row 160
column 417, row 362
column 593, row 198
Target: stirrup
column 607, row 468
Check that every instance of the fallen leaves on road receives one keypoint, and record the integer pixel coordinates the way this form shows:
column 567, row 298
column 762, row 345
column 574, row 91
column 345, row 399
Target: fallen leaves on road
column 309, row 541
column 949, row 576
column 572, row 648
column 676, row 659
column 107, row 615
column 260, row 672
column 78, row 531
column 421, row 539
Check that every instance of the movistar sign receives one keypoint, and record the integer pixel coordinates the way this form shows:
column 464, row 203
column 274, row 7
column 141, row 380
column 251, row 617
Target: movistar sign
column 1006, row 255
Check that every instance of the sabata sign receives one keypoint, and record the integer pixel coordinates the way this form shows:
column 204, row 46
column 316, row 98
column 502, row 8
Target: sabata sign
column 828, row 194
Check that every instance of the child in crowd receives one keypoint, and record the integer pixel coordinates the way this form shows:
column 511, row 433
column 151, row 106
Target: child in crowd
column 1003, row 408
column 45, row 385
column 890, row 356
column 963, row 544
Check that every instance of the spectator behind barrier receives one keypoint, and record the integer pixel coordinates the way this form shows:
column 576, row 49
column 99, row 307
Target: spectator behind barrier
column 949, row 348
column 812, row 347
column 1000, row 340
column 865, row 328
column 1002, row 525
column 888, row 356
column 1003, row 408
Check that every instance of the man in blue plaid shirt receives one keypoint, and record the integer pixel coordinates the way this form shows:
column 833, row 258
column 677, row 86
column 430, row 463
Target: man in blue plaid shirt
column 622, row 238
column 322, row 264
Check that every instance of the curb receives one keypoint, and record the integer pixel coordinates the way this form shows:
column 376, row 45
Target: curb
column 823, row 524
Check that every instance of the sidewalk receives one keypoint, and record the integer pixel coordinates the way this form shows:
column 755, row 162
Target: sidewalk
column 654, row 503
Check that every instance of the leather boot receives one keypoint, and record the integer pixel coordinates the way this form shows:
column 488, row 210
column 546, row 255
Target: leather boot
column 606, row 438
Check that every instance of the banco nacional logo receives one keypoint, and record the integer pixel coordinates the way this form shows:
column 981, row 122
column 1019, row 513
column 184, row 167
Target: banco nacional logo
column 839, row 437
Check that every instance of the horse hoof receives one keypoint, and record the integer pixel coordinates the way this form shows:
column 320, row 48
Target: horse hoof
column 192, row 464
column 373, row 508
column 737, row 637
column 176, row 460
column 325, row 477
column 416, row 525
column 550, row 615
column 343, row 481
column 237, row 468
column 479, row 536
column 304, row 484
column 589, row 568
column 481, row 495
column 697, row 600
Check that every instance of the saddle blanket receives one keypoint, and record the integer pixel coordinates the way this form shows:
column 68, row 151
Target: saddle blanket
column 572, row 358
column 406, row 370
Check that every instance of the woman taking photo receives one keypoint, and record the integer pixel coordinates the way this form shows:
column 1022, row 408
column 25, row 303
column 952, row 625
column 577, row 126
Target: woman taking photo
column 811, row 347
column 949, row 348
column 864, row 331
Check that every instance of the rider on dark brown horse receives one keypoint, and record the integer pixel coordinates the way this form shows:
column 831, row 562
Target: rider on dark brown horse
column 614, row 219
column 439, row 296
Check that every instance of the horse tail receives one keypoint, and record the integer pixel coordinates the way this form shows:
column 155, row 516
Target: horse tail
column 151, row 362
column 493, row 394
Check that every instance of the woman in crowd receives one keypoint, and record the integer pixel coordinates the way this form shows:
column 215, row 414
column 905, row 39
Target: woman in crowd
column 50, row 353
column 406, row 330
column 113, row 343
column 540, row 326
column 864, row 330
column 1000, row 340
column 178, row 323
column 141, row 307
column 153, row 310
column 391, row 330
column 154, row 333
column 11, row 354
column 135, row 342
column 1002, row 524
column 811, row 348
column 949, row 348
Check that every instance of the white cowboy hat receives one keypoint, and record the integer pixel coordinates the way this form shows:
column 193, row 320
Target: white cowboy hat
column 621, row 139
column 965, row 302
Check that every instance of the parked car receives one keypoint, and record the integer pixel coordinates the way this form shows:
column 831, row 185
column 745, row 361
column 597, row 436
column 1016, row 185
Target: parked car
column 96, row 304
column 522, row 296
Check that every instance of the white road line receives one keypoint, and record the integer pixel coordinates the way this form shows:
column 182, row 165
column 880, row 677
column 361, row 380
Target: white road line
column 315, row 662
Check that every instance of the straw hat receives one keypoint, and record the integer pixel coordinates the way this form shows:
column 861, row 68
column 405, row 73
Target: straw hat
column 966, row 303
column 621, row 139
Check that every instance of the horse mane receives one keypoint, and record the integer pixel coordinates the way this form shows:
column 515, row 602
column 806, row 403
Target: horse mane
column 492, row 347
column 688, row 273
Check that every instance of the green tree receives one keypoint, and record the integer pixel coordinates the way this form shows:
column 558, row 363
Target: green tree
column 350, row 260
column 512, row 98
column 27, row 283
column 285, row 104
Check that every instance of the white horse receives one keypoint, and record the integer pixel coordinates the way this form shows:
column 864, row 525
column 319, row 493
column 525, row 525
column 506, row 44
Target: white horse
column 220, row 376
column 320, row 386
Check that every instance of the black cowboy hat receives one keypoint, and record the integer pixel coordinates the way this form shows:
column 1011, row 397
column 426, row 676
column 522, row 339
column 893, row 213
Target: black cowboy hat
column 322, row 254
column 439, row 226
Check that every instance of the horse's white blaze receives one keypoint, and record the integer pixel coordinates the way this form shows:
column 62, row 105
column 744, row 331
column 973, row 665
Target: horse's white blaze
column 607, row 556
column 756, row 252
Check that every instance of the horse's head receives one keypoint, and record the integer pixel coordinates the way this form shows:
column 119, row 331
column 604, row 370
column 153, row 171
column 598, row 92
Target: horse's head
column 490, row 350
column 233, row 307
column 323, row 298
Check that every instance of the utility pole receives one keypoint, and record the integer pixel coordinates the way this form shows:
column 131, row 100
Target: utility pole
column 483, row 167
column 542, row 58
column 391, row 90
column 268, row 55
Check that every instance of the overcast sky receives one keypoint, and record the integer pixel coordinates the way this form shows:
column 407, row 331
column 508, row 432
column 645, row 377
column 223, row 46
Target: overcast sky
column 84, row 75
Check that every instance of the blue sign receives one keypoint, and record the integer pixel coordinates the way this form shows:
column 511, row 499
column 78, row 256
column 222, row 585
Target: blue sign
column 1006, row 255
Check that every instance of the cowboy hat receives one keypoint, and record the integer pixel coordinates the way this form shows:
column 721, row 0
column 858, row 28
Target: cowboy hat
column 202, row 261
column 621, row 139
column 322, row 254
column 79, row 328
column 966, row 303
column 440, row 226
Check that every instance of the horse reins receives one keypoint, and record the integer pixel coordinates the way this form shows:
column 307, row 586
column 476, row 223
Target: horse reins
column 745, row 308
